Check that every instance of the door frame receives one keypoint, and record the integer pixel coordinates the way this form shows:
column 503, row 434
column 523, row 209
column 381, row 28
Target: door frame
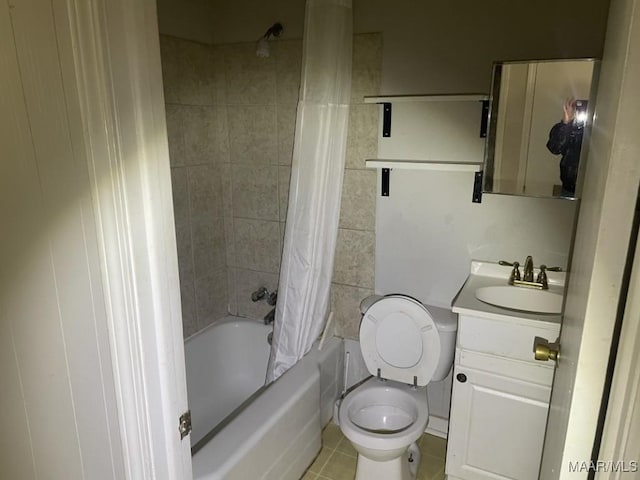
column 621, row 436
column 113, row 53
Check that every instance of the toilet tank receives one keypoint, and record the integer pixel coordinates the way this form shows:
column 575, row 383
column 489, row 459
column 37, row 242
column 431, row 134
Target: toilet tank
column 447, row 324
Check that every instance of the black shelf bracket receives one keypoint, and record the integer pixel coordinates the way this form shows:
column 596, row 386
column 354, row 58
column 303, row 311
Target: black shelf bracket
column 477, row 187
column 484, row 120
column 386, row 119
column 384, row 190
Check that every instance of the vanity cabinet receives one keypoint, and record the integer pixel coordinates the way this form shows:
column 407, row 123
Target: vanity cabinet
column 500, row 399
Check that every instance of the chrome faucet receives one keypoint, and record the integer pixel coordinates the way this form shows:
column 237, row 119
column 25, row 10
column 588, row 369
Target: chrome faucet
column 527, row 274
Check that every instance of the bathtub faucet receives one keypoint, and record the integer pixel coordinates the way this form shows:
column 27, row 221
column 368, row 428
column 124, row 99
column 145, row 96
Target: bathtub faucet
column 263, row 293
column 270, row 317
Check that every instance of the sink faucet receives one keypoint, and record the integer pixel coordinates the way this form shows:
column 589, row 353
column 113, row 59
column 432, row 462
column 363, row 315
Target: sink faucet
column 541, row 281
column 527, row 275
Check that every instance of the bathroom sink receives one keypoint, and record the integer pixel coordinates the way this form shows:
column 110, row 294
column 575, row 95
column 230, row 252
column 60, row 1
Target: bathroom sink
column 520, row 298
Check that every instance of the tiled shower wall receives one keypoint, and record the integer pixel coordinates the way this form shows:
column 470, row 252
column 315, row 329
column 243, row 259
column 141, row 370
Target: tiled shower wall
column 231, row 119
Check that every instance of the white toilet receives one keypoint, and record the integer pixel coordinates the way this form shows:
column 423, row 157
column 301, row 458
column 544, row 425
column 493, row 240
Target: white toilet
column 405, row 345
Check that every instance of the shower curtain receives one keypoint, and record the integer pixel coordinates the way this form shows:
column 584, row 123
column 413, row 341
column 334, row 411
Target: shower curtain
column 316, row 183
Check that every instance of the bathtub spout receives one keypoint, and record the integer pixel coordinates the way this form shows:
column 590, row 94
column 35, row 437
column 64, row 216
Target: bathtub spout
column 270, row 317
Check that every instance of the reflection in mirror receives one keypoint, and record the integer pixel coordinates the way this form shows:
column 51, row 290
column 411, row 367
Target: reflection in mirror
column 539, row 113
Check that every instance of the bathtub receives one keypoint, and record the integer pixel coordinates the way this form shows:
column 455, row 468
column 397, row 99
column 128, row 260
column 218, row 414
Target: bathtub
column 243, row 429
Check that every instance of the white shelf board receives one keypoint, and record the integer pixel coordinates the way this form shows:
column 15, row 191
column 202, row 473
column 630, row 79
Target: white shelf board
column 425, row 165
column 426, row 98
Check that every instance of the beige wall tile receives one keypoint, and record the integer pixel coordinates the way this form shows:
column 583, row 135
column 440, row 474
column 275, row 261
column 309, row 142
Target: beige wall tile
column 247, row 282
column 218, row 117
column 251, row 80
column 188, row 304
column 358, row 208
column 255, row 191
column 175, row 134
column 204, row 133
column 218, row 75
column 232, row 300
column 195, row 81
column 252, row 134
column 208, row 246
column 366, row 70
column 354, row 261
column 345, row 303
column 170, row 68
column 205, row 192
column 185, row 253
column 180, row 194
column 286, row 132
column 284, row 177
column 257, row 244
column 198, row 134
column 362, row 139
column 227, row 189
column 288, row 55
column 211, row 298
column 230, row 241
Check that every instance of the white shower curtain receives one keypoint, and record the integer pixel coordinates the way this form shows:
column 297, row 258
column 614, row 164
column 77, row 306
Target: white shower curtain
column 316, row 182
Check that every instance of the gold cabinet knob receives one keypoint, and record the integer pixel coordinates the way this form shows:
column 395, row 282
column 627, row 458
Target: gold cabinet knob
column 544, row 351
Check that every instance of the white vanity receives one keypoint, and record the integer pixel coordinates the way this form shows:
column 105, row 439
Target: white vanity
column 500, row 392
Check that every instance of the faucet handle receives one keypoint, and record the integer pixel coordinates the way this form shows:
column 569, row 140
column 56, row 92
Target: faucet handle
column 515, row 273
column 542, row 277
column 552, row 269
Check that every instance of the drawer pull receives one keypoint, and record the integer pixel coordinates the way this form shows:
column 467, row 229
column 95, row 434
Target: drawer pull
column 461, row 377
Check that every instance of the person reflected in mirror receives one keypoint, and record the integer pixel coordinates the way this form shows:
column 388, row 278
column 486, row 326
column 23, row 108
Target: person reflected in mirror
column 565, row 138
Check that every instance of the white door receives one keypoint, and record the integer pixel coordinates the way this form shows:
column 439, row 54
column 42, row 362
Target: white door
column 91, row 358
column 601, row 244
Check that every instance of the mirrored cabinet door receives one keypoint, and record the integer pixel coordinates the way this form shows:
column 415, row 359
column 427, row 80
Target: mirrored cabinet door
column 540, row 111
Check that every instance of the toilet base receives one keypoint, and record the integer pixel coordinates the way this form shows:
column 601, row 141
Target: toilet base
column 394, row 469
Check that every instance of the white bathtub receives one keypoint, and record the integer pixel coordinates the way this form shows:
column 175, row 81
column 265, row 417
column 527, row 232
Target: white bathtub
column 242, row 429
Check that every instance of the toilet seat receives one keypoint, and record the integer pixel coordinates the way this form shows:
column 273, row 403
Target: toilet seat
column 399, row 340
column 374, row 392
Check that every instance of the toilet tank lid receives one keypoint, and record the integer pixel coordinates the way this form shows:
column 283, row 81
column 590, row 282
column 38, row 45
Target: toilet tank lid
column 444, row 318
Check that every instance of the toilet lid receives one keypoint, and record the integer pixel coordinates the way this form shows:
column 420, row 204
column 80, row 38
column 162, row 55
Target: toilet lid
column 399, row 337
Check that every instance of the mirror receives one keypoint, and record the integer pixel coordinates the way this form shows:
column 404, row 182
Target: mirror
column 539, row 121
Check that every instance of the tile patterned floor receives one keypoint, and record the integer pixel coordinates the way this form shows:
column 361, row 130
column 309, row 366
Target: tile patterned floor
column 337, row 458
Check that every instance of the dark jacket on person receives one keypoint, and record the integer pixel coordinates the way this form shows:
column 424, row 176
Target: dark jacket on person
column 566, row 139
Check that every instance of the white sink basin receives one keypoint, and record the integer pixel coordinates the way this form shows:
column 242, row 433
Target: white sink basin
column 520, row 298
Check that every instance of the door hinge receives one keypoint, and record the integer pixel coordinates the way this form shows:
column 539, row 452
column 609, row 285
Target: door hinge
column 184, row 426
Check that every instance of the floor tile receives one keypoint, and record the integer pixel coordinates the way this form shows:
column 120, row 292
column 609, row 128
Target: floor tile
column 430, row 467
column 432, row 445
column 346, row 447
column 320, row 460
column 339, row 467
column 331, row 436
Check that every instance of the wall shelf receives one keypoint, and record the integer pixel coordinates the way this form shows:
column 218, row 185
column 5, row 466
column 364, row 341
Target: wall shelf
column 424, row 165
column 426, row 98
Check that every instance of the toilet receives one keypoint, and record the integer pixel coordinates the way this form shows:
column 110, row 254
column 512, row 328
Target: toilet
column 405, row 345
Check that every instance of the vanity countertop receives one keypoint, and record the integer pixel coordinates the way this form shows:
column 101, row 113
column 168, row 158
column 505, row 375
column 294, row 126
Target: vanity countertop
column 484, row 274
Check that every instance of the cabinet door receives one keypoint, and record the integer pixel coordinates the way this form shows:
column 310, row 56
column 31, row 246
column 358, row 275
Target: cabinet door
column 496, row 428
